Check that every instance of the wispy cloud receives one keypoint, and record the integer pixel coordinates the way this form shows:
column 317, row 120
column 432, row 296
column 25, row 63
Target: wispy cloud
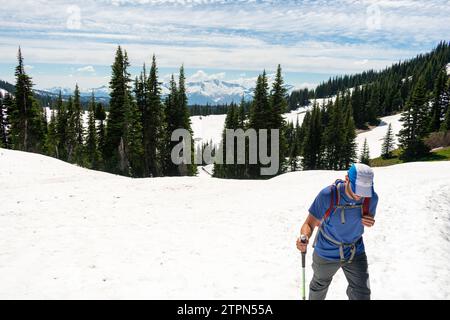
column 330, row 36
column 88, row 69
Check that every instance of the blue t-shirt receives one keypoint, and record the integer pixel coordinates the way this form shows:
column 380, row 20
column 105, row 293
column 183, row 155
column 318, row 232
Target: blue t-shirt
column 348, row 232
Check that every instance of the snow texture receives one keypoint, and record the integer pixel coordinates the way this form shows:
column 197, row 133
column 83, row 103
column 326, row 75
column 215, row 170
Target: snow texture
column 68, row 232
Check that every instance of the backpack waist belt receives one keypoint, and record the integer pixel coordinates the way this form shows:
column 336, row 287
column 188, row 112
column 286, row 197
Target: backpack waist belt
column 341, row 245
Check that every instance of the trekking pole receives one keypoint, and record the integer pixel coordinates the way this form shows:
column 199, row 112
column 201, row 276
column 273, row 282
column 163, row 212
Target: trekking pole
column 303, row 240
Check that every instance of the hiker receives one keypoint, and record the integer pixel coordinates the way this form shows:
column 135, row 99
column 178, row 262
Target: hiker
column 341, row 211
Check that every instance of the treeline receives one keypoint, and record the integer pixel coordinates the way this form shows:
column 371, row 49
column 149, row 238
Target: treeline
column 207, row 110
column 265, row 112
column 132, row 140
column 326, row 138
column 380, row 93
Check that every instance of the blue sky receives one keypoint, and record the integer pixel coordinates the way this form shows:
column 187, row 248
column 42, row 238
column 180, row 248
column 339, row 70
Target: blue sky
column 65, row 42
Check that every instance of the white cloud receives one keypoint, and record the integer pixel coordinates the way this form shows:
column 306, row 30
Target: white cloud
column 88, row 69
column 28, row 67
column 200, row 75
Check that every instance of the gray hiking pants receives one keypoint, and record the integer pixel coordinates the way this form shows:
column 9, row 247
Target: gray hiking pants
column 356, row 273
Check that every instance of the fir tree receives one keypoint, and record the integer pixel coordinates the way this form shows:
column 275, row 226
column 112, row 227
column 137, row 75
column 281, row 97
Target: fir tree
column 440, row 101
column 26, row 115
column 365, row 154
column 153, row 126
column 335, row 138
column 51, row 140
column 61, row 128
column 77, row 125
column 349, row 155
column 100, row 115
column 122, row 149
column 312, row 146
column 91, row 148
column 3, row 124
column 183, row 109
column 415, row 124
column 278, row 105
column 388, row 143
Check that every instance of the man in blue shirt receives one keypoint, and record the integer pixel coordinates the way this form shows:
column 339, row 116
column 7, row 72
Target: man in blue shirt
column 341, row 212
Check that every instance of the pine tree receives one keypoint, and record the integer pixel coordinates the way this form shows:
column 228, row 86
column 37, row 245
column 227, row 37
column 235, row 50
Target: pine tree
column 335, row 137
column 3, row 123
column 100, row 116
column 312, row 146
column 188, row 169
column 51, row 140
column 26, row 115
column 152, row 123
column 446, row 123
column 440, row 100
column 92, row 155
column 172, row 117
column 260, row 117
column 77, row 119
column 388, row 143
column 121, row 151
column 415, row 124
column 373, row 106
column 278, row 106
column 71, row 134
column 61, row 128
column 349, row 155
column 365, row 154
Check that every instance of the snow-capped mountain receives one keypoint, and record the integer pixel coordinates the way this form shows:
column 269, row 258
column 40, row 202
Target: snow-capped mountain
column 211, row 91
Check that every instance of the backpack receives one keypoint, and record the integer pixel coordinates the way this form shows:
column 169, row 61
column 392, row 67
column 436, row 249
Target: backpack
column 334, row 205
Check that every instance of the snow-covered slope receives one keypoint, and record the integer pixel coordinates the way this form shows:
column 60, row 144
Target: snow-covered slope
column 375, row 136
column 210, row 128
column 67, row 232
column 3, row 92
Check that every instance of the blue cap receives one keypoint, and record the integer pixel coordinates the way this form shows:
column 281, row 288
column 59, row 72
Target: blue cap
column 361, row 180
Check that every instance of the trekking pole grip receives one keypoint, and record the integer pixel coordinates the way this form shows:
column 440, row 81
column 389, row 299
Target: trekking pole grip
column 303, row 239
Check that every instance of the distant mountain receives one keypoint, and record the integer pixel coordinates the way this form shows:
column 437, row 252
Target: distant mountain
column 212, row 92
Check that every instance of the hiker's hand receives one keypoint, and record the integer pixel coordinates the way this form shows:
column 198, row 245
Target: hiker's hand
column 368, row 221
column 302, row 246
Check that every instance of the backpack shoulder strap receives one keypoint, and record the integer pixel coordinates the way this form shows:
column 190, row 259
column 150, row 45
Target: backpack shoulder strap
column 334, row 199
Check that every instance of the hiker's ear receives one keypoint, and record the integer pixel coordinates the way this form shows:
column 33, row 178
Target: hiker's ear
column 346, row 178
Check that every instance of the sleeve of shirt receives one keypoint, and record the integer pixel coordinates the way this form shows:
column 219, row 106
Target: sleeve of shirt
column 373, row 204
column 321, row 204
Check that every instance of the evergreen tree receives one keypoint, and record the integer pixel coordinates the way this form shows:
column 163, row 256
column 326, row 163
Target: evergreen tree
column 122, row 149
column 26, row 115
column 173, row 122
column 388, row 144
column 440, row 101
column 77, row 125
column 101, row 117
column 278, row 106
column 153, row 126
column 335, row 138
column 365, row 154
column 260, row 118
column 415, row 124
column 446, row 123
column 92, row 155
column 71, row 133
column 349, row 155
column 312, row 146
column 4, row 134
column 373, row 106
column 61, row 128
column 51, row 140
